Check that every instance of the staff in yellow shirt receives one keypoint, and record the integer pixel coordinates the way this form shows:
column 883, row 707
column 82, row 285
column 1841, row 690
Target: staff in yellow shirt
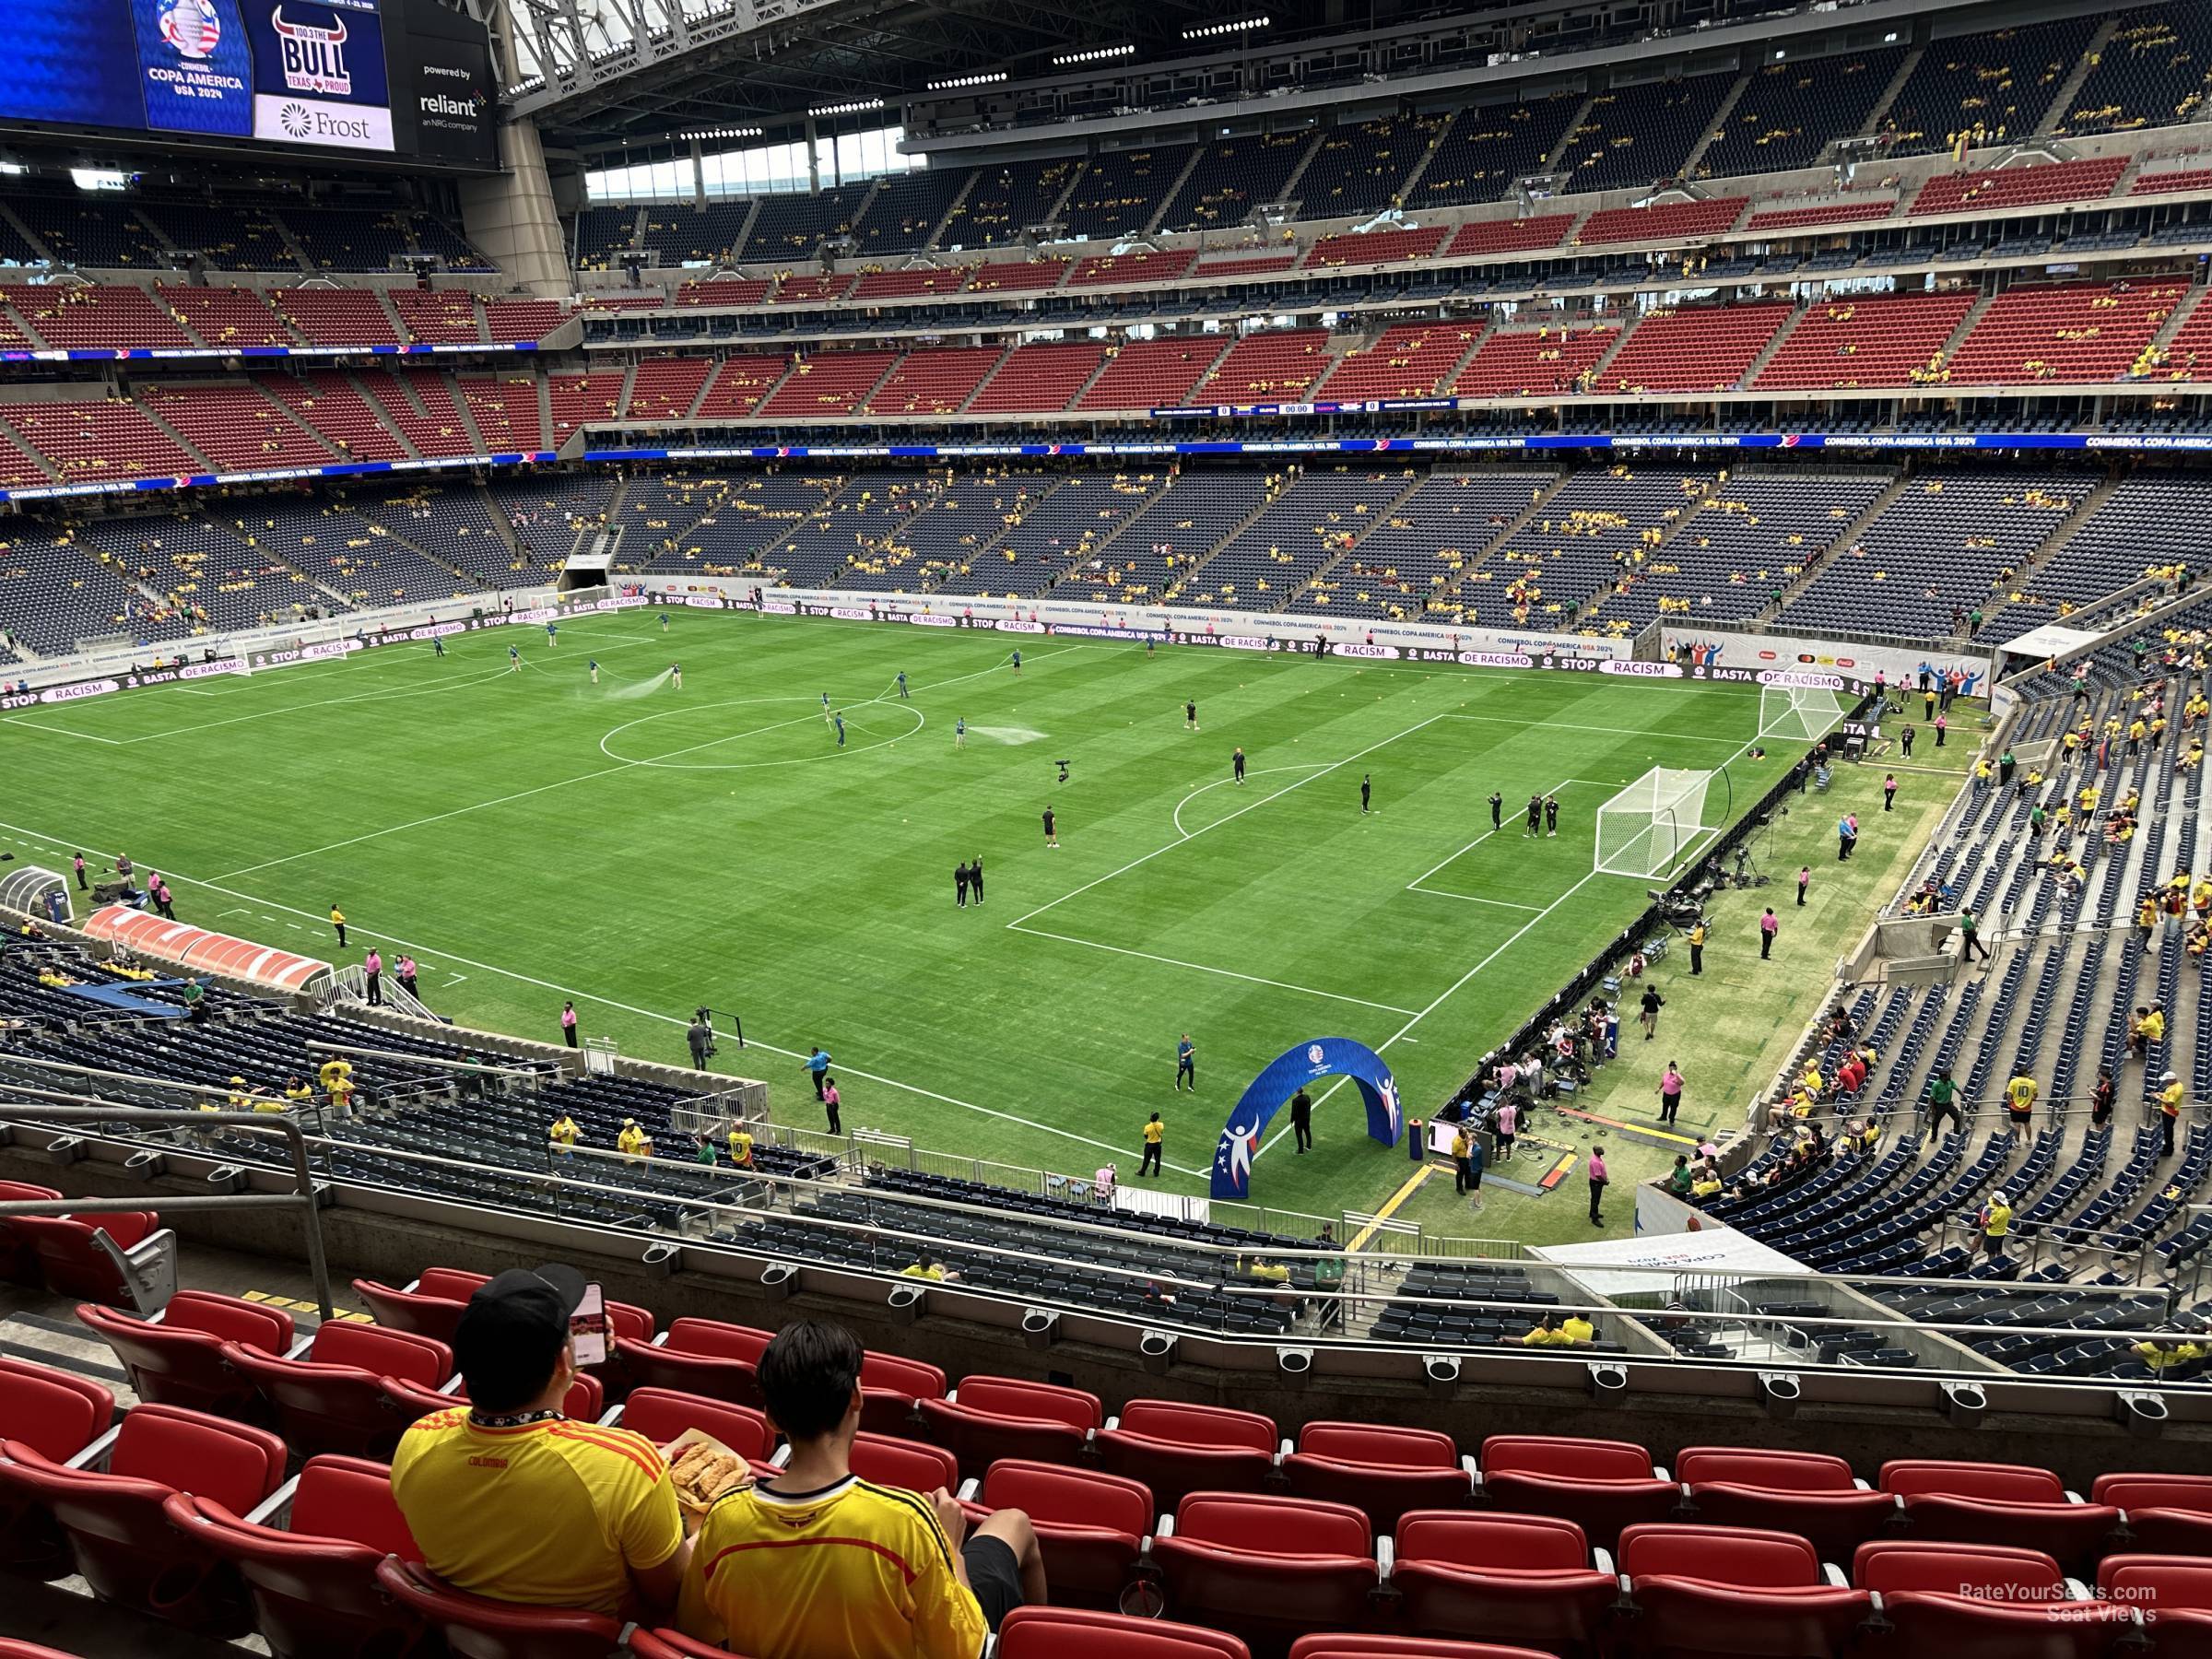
column 632, row 1142
column 564, row 1135
column 2170, row 1110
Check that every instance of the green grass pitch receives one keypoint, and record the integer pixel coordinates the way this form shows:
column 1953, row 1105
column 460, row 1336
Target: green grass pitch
column 643, row 849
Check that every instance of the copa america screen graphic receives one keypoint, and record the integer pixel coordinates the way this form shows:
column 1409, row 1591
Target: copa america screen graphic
column 192, row 26
column 195, row 66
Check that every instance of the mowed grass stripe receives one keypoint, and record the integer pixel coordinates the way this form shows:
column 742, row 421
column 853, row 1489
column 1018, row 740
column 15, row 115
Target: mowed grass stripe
column 817, row 896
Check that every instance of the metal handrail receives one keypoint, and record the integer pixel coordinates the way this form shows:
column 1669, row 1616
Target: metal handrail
column 304, row 1198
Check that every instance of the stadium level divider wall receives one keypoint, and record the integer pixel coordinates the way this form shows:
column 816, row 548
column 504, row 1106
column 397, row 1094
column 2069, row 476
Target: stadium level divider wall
column 1452, row 444
column 120, row 354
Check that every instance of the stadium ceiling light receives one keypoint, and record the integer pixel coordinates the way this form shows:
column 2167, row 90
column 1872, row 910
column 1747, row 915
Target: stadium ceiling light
column 1240, row 26
column 856, row 107
column 706, row 133
column 1094, row 56
column 969, row 80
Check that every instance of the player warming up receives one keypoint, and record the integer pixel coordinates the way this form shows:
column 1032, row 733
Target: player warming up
column 825, row 708
column 1551, row 814
column 514, row 660
column 1018, row 663
column 675, row 676
column 1536, row 816
column 840, row 720
column 902, row 682
column 1186, row 1064
column 959, row 733
column 1236, row 763
column 595, row 671
column 1496, row 811
column 552, row 634
column 1190, row 715
column 1366, row 790
column 1051, row 828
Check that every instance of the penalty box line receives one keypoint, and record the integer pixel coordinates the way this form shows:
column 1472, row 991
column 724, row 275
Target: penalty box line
column 1415, row 885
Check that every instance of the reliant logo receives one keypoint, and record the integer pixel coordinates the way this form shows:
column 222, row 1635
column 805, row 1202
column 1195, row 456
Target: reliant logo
column 437, row 103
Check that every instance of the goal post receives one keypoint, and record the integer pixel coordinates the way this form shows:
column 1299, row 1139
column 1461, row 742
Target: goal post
column 1647, row 828
column 1797, row 713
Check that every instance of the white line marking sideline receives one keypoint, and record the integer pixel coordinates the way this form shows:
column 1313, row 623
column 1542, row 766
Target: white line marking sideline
column 608, row 1002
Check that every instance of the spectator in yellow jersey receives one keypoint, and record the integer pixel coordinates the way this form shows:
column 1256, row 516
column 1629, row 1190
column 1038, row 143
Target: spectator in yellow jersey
column 2019, row 1104
column 508, row 1499
column 2149, row 1027
column 332, row 1070
column 564, row 1134
column 817, row 1564
column 2163, row 1354
column 632, row 1143
column 297, row 1092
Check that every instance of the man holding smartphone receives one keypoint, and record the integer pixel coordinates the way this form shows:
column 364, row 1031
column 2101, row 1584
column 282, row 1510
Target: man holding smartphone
column 510, row 1500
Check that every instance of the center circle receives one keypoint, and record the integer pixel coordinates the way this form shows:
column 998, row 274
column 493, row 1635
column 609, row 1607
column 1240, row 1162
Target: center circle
column 690, row 752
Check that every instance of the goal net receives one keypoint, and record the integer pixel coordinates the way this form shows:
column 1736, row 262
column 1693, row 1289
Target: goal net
column 1649, row 827
column 1797, row 713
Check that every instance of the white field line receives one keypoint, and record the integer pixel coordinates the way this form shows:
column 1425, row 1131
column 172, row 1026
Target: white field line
column 1415, row 885
column 604, row 772
column 1175, row 818
column 576, row 995
column 1322, row 771
column 1252, row 979
column 32, row 725
column 1444, row 997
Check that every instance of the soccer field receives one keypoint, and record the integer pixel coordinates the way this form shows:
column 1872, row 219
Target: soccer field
column 643, row 850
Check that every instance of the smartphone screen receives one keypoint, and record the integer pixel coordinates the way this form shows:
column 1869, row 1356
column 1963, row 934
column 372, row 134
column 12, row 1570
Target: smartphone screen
column 587, row 1326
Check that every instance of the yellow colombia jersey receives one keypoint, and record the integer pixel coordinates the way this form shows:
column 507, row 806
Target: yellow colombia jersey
column 551, row 1513
column 849, row 1571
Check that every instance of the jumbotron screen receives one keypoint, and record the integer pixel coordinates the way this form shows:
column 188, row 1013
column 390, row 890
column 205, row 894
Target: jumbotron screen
column 344, row 74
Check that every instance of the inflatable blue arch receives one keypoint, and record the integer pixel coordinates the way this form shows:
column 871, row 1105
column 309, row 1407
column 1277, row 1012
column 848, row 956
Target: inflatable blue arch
column 1283, row 1077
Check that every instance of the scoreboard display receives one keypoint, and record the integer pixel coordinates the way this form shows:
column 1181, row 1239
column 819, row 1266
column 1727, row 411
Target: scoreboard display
column 325, row 74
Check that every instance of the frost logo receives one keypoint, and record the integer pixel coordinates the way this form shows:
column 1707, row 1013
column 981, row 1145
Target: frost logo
column 295, row 120
column 191, row 27
column 315, row 56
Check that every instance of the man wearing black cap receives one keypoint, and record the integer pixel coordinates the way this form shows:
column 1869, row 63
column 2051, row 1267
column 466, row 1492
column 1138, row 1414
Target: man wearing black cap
column 510, row 1500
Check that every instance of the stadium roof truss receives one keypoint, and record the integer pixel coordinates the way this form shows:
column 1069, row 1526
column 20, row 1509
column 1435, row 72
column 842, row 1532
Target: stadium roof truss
column 600, row 71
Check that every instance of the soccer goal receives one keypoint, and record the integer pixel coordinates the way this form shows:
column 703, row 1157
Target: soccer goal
column 1650, row 827
column 1797, row 713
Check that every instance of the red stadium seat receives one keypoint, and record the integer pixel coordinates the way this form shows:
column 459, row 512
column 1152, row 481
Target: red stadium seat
column 58, row 1416
column 1502, row 1578
column 427, row 1313
column 1602, row 1486
column 18, row 1256
column 1401, row 1647
column 698, row 1356
column 313, row 1580
column 2010, row 1504
column 1176, row 1450
column 2164, row 1514
column 176, row 1359
column 477, row 1627
column 11, row 1649
column 886, row 1460
column 71, row 1264
column 1384, row 1471
column 1718, row 1590
column 663, row 1414
column 989, row 1417
column 1090, row 1528
column 1268, row 1568
column 1073, row 1633
column 118, row 1536
column 56, row 1413
column 2174, row 1593
column 410, row 1401
column 333, row 1397
column 888, row 1387
column 1954, row 1601
column 1809, row 1493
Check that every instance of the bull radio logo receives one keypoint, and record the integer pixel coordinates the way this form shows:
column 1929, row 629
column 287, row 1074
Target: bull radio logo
column 315, row 55
column 193, row 28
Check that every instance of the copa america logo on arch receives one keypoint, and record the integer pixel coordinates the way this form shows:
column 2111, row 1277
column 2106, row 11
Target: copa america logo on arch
column 191, row 28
